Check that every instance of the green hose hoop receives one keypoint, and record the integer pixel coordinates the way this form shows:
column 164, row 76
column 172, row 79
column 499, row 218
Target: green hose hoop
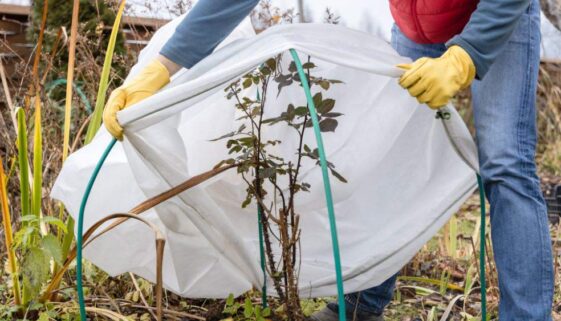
column 482, row 250
column 262, row 245
column 262, row 257
column 62, row 81
column 80, row 231
column 326, row 185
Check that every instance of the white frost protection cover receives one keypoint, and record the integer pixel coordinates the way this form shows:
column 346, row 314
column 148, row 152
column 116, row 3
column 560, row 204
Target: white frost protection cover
column 405, row 175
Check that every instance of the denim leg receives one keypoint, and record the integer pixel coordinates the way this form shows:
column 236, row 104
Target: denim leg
column 505, row 121
column 368, row 302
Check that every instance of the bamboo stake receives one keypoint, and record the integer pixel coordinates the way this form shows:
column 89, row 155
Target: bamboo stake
column 8, row 95
column 8, row 234
column 69, row 236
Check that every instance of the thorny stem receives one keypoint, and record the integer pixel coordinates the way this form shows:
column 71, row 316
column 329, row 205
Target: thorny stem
column 295, row 179
column 258, row 194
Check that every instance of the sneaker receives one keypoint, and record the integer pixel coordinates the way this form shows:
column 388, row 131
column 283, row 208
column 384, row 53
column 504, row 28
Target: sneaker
column 326, row 314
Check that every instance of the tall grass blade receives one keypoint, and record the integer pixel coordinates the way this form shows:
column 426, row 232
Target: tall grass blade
column 70, row 78
column 95, row 121
column 453, row 237
column 439, row 283
column 37, row 184
column 37, row 191
column 8, row 235
column 23, row 162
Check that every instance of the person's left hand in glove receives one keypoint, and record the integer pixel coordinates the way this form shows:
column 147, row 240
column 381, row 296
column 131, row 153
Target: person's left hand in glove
column 434, row 81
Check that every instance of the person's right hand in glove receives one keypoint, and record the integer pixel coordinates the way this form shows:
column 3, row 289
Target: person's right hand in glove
column 150, row 79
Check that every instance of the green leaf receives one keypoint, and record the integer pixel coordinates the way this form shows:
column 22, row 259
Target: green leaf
column 246, row 202
column 23, row 162
column 271, row 63
column 292, row 67
column 318, row 98
column 230, row 299
column 266, row 312
column 247, row 141
column 24, row 234
column 56, row 222
column 247, row 83
column 35, row 270
column 328, row 125
column 332, row 115
column 301, row 111
column 37, row 187
column 308, row 65
column 223, row 136
column 248, row 308
column 44, row 316
column 95, row 121
column 29, row 218
column 338, row 176
column 257, row 310
column 324, row 84
column 326, row 106
column 52, row 247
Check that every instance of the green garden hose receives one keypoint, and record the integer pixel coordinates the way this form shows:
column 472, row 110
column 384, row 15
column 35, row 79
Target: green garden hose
column 262, row 247
column 326, row 185
column 330, row 210
column 62, row 82
column 80, row 231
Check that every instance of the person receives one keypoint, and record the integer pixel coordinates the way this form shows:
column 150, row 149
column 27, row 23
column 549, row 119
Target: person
column 492, row 46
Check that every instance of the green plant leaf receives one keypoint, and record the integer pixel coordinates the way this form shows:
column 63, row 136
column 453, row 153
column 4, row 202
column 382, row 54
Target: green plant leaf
column 271, row 63
column 248, row 308
column 247, row 83
column 56, row 222
column 326, row 106
column 328, row 125
column 35, row 270
column 266, row 312
column 95, row 121
column 230, row 299
column 23, row 162
column 52, row 247
column 308, row 65
column 37, row 188
column 223, row 136
column 29, row 218
column 337, row 175
column 332, row 115
column 301, row 111
column 44, row 316
column 292, row 67
column 317, row 99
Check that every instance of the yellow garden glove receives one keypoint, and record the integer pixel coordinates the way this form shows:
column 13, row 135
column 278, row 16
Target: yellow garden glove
column 151, row 79
column 434, row 81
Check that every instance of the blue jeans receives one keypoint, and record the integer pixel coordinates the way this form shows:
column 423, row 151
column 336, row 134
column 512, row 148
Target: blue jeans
column 505, row 122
